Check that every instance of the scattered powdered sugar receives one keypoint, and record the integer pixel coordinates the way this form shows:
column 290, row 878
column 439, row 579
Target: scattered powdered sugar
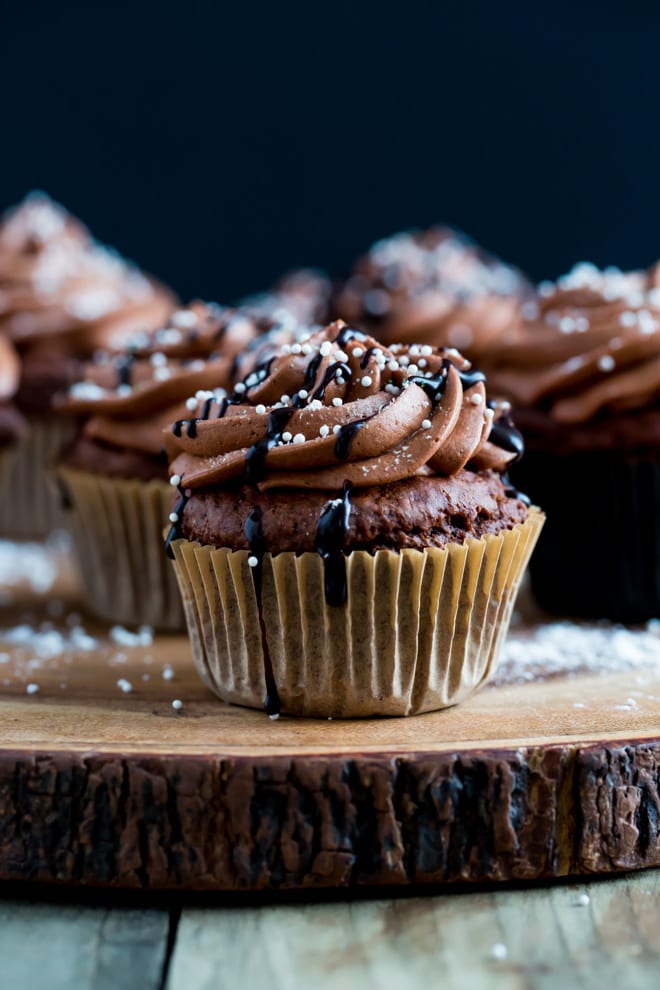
column 35, row 565
column 124, row 637
column 567, row 648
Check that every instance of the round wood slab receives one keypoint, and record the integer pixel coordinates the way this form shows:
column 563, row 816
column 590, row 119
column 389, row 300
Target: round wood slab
column 103, row 782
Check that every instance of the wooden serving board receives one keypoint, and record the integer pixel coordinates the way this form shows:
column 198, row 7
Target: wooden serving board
column 103, row 782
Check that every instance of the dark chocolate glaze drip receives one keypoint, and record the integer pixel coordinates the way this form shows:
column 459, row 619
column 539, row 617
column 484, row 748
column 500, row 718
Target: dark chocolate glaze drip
column 435, row 385
column 368, row 354
column 254, row 535
column 512, row 492
column 125, row 369
column 349, row 333
column 191, row 428
column 345, row 438
column 331, row 372
column 504, row 434
column 175, row 528
column 331, row 533
column 259, row 374
column 206, row 408
column 312, row 370
column 178, row 427
column 256, row 455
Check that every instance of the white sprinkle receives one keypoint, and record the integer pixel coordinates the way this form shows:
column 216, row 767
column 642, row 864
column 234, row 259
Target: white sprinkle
column 316, row 404
column 296, row 348
column 393, row 366
column 124, row 390
column 158, row 359
column 175, row 480
column 287, row 437
column 303, row 393
column 366, row 381
column 324, row 430
column 628, row 318
column 336, row 428
column 299, row 438
column 124, row 685
column 191, row 404
column 162, row 374
column 253, row 561
column 284, row 399
column 274, row 718
column 427, row 350
column 498, row 951
column 325, row 348
column 177, row 705
column 31, row 688
column 173, row 517
column 475, row 399
column 337, row 401
column 87, row 391
column 168, row 673
column 426, row 424
column 583, row 900
column 358, row 352
column 341, row 356
column 606, row 363
column 183, row 318
column 239, row 388
column 260, row 409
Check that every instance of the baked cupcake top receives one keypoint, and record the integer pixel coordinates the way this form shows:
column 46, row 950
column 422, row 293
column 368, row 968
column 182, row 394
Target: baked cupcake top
column 62, row 295
column 127, row 397
column 339, row 407
column 432, row 287
column 586, row 355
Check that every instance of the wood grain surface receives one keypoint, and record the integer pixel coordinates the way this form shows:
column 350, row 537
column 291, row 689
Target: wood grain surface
column 103, row 782
column 559, row 937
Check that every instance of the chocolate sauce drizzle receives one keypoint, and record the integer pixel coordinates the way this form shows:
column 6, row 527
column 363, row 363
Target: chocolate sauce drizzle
column 504, row 434
column 125, row 369
column 254, row 535
column 349, row 333
column 333, row 371
column 256, row 455
column 175, row 532
column 331, row 533
column 345, row 437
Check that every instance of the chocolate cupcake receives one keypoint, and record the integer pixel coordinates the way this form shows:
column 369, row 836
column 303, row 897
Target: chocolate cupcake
column 344, row 542
column 301, row 299
column 432, row 287
column 583, row 374
column 12, row 425
column 62, row 297
column 114, row 474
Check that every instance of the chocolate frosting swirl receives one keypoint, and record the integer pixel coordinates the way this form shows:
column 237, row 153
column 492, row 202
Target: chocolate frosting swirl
column 59, row 287
column 339, row 407
column 434, row 287
column 589, row 344
column 128, row 397
column 301, row 298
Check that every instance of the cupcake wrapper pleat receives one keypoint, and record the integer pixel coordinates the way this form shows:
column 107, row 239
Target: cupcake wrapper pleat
column 420, row 630
column 31, row 505
column 117, row 529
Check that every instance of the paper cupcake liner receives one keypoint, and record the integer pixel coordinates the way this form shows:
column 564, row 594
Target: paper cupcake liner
column 420, row 630
column 31, row 505
column 599, row 556
column 117, row 529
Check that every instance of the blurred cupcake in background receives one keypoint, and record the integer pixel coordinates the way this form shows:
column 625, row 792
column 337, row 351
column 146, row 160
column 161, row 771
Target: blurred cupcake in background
column 432, row 287
column 62, row 297
column 12, row 424
column 114, row 474
column 583, row 374
column 344, row 540
column 301, row 298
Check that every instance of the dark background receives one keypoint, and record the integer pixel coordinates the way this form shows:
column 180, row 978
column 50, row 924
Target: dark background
column 219, row 144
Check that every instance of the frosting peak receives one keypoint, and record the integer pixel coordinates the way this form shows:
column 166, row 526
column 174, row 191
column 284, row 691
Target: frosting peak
column 131, row 394
column 339, row 407
column 589, row 342
column 435, row 287
column 57, row 282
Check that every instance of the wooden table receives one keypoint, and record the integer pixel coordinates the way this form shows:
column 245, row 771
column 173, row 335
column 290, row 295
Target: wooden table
column 593, row 935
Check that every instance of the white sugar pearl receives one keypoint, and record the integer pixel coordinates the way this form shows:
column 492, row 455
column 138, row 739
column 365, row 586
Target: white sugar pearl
column 366, row 381
column 606, row 363
column 299, row 438
column 253, row 561
column 260, row 409
column 426, row 424
column 175, row 480
column 177, row 705
column 173, row 518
